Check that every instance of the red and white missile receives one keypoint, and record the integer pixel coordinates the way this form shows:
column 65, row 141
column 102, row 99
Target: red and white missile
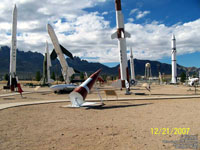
column 121, row 35
column 13, row 51
column 77, row 97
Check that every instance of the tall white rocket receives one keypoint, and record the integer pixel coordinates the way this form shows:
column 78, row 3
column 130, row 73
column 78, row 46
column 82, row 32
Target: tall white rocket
column 174, row 67
column 132, row 65
column 121, row 35
column 66, row 70
column 13, row 51
column 47, row 65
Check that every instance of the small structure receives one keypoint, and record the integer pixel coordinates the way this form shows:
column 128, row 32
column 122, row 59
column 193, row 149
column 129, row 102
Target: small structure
column 110, row 93
column 148, row 70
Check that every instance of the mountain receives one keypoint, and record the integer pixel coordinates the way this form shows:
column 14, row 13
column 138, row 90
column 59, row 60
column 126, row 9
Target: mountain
column 28, row 63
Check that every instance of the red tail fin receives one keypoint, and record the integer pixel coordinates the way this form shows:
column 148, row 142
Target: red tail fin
column 19, row 88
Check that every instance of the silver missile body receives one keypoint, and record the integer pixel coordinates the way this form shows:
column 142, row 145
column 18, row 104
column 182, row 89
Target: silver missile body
column 174, row 66
column 13, row 50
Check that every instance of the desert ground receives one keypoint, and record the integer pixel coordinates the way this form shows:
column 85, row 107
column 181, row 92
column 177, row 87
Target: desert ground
column 118, row 125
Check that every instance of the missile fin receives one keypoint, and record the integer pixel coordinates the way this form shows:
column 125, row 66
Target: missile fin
column 114, row 35
column 127, row 35
column 53, row 55
column 76, row 71
column 66, row 52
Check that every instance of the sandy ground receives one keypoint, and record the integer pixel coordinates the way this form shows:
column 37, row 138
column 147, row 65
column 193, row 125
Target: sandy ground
column 117, row 125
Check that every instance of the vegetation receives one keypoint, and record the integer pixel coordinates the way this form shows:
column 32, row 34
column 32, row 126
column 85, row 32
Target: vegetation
column 61, row 78
column 38, row 76
column 53, row 76
column 6, row 77
column 104, row 77
column 183, row 77
column 82, row 76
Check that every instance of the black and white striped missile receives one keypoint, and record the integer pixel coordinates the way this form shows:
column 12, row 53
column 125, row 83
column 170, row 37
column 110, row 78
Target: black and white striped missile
column 121, row 35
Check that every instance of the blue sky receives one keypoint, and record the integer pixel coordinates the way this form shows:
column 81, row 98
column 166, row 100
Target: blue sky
column 85, row 27
column 168, row 12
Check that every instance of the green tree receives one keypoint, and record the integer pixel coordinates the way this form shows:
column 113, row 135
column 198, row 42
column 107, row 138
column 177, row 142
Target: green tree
column 183, row 77
column 72, row 77
column 104, row 77
column 194, row 75
column 38, row 76
column 53, row 76
column 61, row 78
column 6, row 77
column 82, row 76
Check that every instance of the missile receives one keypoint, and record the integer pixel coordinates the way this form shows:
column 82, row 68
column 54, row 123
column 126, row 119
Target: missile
column 46, row 66
column 48, row 63
column 121, row 35
column 174, row 67
column 13, row 51
column 132, row 65
column 66, row 70
column 77, row 97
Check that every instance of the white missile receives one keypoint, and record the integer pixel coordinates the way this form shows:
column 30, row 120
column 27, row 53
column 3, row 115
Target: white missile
column 132, row 65
column 174, row 67
column 48, row 63
column 46, row 66
column 121, row 35
column 66, row 71
column 13, row 49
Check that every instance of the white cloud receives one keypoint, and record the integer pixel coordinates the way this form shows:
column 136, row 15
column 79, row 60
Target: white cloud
column 105, row 13
column 133, row 11
column 142, row 14
column 139, row 14
column 87, row 34
column 130, row 19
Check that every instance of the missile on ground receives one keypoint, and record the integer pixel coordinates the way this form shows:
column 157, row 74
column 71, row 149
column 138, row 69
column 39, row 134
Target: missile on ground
column 174, row 67
column 48, row 63
column 13, row 51
column 77, row 97
column 46, row 66
column 121, row 35
column 132, row 65
column 66, row 70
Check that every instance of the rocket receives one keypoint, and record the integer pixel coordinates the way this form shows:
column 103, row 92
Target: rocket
column 174, row 68
column 13, row 52
column 121, row 35
column 79, row 94
column 132, row 65
column 58, row 51
column 46, row 66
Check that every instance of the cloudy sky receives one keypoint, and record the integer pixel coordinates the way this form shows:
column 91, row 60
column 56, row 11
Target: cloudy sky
column 84, row 28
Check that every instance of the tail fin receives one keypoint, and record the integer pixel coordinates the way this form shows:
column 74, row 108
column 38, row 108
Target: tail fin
column 19, row 88
column 64, row 50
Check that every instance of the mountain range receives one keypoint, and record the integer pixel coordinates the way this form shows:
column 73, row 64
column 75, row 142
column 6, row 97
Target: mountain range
column 28, row 63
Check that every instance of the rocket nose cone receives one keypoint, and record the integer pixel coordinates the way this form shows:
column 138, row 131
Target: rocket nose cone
column 15, row 10
column 98, row 71
column 173, row 37
column 15, row 6
column 131, row 51
column 48, row 26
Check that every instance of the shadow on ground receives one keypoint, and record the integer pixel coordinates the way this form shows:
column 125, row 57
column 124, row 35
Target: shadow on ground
column 116, row 106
